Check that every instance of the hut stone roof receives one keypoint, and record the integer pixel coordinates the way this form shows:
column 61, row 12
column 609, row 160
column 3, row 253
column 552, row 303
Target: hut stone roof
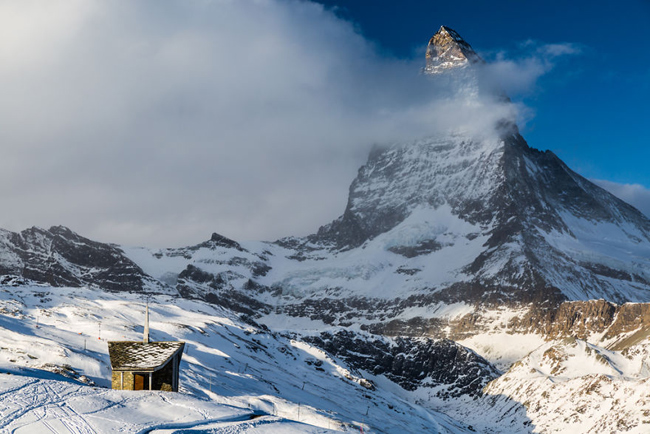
column 138, row 356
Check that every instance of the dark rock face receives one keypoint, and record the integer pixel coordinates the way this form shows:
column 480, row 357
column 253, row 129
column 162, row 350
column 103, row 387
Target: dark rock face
column 61, row 257
column 343, row 311
column 570, row 319
column 423, row 248
column 220, row 240
column 218, row 289
column 413, row 363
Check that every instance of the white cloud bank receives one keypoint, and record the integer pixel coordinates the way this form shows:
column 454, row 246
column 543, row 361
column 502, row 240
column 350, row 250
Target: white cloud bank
column 156, row 123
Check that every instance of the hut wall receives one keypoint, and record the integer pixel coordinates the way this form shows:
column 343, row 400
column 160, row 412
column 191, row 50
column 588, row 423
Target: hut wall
column 116, row 382
column 163, row 379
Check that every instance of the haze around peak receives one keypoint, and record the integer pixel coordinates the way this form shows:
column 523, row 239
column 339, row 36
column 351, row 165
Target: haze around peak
column 147, row 124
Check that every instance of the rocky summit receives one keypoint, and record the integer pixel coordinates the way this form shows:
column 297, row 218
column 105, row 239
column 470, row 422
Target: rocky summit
column 448, row 50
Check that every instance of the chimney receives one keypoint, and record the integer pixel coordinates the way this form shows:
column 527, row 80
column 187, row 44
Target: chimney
column 145, row 338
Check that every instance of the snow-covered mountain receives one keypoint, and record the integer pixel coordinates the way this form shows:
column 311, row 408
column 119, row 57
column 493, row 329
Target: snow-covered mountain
column 457, row 219
column 472, row 283
column 468, row 220
column 530, row 229
column 61, row 257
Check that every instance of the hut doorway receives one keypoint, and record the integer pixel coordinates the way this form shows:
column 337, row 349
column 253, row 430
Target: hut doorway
column 141, row 382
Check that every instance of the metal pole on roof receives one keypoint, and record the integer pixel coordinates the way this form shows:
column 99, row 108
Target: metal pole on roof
column 145, row 338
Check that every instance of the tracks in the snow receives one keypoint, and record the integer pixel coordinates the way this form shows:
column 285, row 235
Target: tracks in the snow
column 39, row 402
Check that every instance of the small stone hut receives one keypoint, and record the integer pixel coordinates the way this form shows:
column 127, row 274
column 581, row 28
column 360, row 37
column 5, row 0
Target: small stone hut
column 145, row 366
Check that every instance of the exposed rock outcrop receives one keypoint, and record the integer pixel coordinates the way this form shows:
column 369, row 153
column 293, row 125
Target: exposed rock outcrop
column 451, row 369
column 448, row 50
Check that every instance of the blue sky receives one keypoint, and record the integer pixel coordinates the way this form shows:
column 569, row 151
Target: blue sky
column 157, row 123
column 592, row 109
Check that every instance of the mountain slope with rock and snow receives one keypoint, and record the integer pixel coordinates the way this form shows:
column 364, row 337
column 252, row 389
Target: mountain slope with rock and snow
column 54, row 369
column 60, row 257
column 461, row 219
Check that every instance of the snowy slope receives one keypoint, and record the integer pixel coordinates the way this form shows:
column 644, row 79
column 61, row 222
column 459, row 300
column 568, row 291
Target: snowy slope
column 574, row 386
column 237, row 377
column 54, row 367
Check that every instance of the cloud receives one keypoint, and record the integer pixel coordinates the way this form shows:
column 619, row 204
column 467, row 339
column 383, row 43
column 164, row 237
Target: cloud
column 635, row 194
column 156, row 124
column 518, row 72
column 552, row 51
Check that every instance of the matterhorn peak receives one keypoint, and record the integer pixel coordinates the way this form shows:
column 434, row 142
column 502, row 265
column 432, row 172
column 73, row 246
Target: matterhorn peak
column 447, row 50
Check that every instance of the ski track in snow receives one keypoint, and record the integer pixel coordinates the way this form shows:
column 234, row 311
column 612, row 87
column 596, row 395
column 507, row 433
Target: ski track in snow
column 49, row 406
column 49, row 403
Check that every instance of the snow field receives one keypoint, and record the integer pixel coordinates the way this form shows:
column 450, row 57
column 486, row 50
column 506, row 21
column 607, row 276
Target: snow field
column 54, row 339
